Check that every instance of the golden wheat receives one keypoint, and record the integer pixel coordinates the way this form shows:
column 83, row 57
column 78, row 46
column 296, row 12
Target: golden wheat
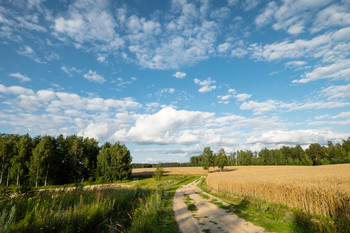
column 170, row 170
column 323, row 190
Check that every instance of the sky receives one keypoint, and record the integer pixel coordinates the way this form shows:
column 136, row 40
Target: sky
column 170, row 77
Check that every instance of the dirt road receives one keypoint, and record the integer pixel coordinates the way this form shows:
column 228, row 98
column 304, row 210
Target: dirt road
column 208, row 217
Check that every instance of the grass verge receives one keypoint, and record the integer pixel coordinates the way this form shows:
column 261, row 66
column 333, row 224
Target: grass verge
column 144, row 207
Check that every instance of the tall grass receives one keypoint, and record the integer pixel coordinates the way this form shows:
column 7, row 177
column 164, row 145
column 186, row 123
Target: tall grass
column 72, row 211
column 318, row 190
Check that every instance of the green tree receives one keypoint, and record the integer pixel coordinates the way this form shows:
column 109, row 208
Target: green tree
column 76, row 160
column 5, row 153
column 158, row 174
column 22, row 157
column 42, row 160
column 208, row 158
column 316, row 152
column 221, row 159
column 114, row 162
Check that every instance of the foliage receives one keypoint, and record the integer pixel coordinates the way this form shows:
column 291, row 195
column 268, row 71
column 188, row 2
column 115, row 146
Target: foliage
column 314, row 155
column 221, row 159
column 114, row 162
column 47, row 160
column 158, row 174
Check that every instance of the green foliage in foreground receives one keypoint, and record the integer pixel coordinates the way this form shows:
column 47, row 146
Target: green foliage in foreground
column 145, row 207
column 276, row 217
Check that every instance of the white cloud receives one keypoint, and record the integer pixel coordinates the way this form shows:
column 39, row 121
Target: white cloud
column 301, row 137
column 21, row 77
column 336, row 92
column 207, row 85
column 295, row 64
column 342, row 115
column 243, row 97
column 94, row 77
column 266, row 16
column 15, row 90
column 291, row 15
column 250, row 4
column 87, row 21
column 338, row 70
column 168, row 126
column 165, row 91
column 260, row 107
column 333, row 15
column 179, row 75
column 70, row 70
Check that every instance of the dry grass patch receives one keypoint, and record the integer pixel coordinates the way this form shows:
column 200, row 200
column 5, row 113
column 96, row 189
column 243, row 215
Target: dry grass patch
column 323, row 190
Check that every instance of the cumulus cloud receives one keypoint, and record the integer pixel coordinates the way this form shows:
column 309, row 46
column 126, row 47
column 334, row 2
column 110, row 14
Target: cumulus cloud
column 168, row 126
column 21, row 77
column 206, row 85
column 86, row 21
column 179, row 75
column 94, row 77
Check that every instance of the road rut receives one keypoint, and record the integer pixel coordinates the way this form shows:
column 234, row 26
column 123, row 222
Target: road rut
column 208, row 217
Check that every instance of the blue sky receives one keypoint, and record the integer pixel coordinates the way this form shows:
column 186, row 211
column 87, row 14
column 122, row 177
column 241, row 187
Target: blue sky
column 168, row 78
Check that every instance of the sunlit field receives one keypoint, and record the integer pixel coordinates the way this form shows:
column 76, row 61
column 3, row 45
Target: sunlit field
column 170, row 171
column 323, row 190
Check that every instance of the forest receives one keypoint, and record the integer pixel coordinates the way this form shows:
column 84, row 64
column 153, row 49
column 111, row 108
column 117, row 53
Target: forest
column 44, row 160
column 315, row 154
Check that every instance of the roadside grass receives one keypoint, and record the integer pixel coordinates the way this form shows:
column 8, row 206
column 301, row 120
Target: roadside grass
column 143, row 207
column 156, row 213
column 273, row 217
column 71, row 211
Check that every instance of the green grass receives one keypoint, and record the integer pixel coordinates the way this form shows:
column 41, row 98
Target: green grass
column 144, row 207
column 72, row 211
column 275, row 217
column 189, row 202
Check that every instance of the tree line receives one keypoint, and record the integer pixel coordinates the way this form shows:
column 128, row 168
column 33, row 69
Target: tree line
column 44, row 160
column 314, row 155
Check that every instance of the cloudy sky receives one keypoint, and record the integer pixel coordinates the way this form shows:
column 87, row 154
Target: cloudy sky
column 168, row 78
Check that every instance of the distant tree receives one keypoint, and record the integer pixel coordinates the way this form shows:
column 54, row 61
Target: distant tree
column 208, row 158
column 5, row 156
column 158, row 174
column 114, row 162
column 42, row 160
column 221, row 159
column 22, row 157
column 316, row 152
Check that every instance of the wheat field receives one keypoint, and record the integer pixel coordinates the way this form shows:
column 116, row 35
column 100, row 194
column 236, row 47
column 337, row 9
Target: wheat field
column 323, row 190
column 170, row 171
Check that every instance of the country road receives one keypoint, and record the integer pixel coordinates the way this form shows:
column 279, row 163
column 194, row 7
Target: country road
column 208, row 217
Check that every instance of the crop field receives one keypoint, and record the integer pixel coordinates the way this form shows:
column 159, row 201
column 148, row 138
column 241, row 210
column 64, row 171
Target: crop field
column 170, row 171
column 322, row 190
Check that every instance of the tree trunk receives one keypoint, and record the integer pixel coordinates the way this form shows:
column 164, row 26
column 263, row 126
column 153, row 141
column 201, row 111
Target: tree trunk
column 7, row 181
column 47, row 172
column 18, row 177
column 37, row 177
column 2, row 172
